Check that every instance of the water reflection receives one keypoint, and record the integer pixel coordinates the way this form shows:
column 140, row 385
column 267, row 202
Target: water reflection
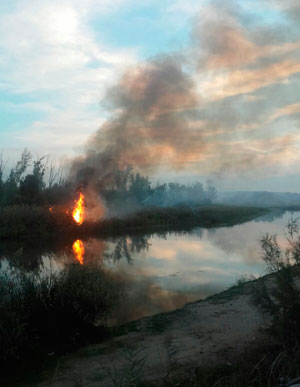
column 78, row 250
column 161, row 271
column 124, row 247
column 27, row 256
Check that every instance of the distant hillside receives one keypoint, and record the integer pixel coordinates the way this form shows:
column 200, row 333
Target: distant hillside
column 259, row 198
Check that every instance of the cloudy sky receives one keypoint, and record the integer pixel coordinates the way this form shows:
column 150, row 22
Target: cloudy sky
column 236, row 106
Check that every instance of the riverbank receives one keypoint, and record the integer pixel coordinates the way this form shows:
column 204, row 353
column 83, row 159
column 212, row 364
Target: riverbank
column 25, row 222
column 219, row 341
column 212, row 333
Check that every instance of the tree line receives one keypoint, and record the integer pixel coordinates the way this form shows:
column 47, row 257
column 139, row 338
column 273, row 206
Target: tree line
column 132, row 188
column 38, row 182
column 33, row 188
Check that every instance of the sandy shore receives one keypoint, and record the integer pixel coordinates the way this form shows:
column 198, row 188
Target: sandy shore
column 207, row 332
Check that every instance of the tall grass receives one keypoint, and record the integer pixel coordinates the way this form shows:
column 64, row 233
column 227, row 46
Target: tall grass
column 54, row 313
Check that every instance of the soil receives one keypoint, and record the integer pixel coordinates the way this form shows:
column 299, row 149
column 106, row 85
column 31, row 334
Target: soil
column 208, row 332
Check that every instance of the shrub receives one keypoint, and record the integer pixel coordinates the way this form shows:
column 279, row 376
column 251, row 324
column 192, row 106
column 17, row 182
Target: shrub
column 53, row 313
column 281, row 299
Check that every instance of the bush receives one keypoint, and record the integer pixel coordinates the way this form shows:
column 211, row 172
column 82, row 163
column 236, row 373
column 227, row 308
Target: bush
column 53, row 313
column 281, row 298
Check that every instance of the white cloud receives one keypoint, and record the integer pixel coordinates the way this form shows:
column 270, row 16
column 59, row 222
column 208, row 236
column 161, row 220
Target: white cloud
column 185, row 8
column 48, row 51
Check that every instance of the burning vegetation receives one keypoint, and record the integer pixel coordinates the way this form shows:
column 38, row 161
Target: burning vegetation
column 78, row 212
column 128, row 200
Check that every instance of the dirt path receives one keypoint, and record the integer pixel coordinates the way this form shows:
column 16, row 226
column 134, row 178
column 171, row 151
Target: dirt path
column 205, row 332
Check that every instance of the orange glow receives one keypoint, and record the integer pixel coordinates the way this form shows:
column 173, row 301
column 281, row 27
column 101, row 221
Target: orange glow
column 78, row 212
column 78, row 249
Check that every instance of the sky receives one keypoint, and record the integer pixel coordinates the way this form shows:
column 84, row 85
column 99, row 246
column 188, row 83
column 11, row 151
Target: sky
column 60, row 60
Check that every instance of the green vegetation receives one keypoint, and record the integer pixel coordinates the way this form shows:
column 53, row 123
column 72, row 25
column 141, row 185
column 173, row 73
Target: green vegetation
column 33, row 188
column 53, row 313
column 123, row 192
column 132, row 201
column 25, row 199
column 59, row 311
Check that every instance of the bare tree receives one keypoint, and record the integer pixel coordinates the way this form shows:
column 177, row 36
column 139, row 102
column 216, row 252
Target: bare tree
column 53, row 175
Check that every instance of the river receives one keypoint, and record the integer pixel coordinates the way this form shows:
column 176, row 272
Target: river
column 162, row 271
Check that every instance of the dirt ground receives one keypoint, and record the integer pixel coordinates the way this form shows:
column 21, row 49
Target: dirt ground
column 202, row 333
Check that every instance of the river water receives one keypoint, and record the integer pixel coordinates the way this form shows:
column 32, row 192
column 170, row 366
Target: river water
column 162, row 272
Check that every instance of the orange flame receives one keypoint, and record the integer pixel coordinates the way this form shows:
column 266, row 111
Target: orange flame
column 78, row 249
column 78, row 212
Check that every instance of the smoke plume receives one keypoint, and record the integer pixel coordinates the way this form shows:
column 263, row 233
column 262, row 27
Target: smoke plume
column 201, row 108
column 150, row 121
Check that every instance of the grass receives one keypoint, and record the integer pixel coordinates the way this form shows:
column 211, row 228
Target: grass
column 132, row 373
column 52, row 314
column 263, row 365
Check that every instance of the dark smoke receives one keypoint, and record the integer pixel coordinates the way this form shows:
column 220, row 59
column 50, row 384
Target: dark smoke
column 150, row 109
column 159, row 117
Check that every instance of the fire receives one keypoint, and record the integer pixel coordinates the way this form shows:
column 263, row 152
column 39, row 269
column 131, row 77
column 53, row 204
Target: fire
column 78, row 249
column 78, row 212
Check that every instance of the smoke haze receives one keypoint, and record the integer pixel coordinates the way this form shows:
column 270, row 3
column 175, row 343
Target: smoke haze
column 226, row 104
